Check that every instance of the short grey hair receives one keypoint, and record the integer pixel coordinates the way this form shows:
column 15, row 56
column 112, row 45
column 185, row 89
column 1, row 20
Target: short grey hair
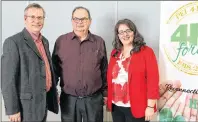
column 34, row 5
column 81, row 7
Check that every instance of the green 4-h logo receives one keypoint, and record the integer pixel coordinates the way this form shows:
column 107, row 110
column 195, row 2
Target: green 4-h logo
column 166, row 115
column 182, row 48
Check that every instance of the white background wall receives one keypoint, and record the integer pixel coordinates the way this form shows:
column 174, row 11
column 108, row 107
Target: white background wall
column 146, row 16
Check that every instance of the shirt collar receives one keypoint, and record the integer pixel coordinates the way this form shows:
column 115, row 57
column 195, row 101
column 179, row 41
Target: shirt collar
column 35, row 37
column 89, row 36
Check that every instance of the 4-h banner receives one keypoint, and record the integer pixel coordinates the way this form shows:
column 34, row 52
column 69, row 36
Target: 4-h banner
column 178, row 61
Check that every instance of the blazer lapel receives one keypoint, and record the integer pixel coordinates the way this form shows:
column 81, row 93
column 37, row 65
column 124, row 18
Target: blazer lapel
column 30, row 42
column 130, row 68
column 44, row 40
column 46, row 47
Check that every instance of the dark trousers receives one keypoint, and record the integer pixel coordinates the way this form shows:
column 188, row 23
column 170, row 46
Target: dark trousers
column 123, row 114
column 78, row 109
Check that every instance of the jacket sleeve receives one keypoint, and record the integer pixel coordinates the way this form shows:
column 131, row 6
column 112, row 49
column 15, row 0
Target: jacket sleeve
column 152, row 75
column 9, row 73
column 56, row 61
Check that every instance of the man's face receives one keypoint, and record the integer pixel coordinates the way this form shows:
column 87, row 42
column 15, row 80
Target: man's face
column 80, row 20
column 34, row 20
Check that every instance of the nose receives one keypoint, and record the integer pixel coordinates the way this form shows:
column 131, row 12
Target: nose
column 80, row 21
column 37, row 20
column 125, row 33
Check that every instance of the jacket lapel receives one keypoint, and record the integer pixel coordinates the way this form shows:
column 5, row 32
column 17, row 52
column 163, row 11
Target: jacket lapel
column 30, row 42
column 44, row 40
column 45, row 47
column 112, row 62
column 129, row 71
column 131, row 67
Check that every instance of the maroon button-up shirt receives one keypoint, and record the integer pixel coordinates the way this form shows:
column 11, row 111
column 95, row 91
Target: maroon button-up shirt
column 80, row 65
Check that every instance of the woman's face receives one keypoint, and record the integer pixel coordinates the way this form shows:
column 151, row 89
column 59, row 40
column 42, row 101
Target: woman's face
column 125, row 34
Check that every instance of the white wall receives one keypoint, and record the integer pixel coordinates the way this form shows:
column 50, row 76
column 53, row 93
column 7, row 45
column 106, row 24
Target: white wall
column 58, row 18
column 146, row 16
column 12, row 22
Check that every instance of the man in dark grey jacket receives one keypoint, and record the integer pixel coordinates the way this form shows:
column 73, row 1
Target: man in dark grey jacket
column 28, row 85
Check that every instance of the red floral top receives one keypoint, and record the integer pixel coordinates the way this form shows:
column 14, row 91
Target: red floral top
column 120, row 82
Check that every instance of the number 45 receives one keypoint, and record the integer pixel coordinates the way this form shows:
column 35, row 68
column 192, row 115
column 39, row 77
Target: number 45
column 180, row 35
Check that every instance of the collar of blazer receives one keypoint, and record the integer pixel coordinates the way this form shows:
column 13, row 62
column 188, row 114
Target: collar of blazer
column 30, row 42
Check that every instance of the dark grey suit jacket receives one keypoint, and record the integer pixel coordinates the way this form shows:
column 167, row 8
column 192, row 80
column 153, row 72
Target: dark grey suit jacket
column 24, row 79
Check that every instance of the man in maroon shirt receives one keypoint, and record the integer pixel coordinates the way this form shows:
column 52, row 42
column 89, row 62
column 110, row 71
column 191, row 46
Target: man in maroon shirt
column 80, row 61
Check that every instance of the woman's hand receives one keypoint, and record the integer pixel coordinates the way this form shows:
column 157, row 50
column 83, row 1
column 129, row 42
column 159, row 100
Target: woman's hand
column 149, row 112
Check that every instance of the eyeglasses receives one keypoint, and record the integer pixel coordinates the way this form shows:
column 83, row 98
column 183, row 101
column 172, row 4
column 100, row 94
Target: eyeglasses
column 126, row 31
column 77, row 20
column 38, row 18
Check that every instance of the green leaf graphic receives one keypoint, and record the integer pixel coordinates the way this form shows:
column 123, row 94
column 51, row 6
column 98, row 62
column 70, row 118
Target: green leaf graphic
column 166, row 115
column 179, row 118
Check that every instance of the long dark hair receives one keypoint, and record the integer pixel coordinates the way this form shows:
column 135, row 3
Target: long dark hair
column 138, row 40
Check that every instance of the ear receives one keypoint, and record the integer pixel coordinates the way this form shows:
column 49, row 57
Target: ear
column 90, row 21
column 25, row 17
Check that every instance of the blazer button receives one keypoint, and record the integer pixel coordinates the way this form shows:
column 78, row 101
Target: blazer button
column 43, row 76
column 42, row 63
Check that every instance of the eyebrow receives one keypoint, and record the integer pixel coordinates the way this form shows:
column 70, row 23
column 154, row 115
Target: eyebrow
column 81, row 17
column 125, row 30
column 35, row 15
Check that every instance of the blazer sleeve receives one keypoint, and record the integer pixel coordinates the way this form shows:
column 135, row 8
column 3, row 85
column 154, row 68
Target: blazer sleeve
column 10, row 72
column 152, row 75
column 56, row 61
